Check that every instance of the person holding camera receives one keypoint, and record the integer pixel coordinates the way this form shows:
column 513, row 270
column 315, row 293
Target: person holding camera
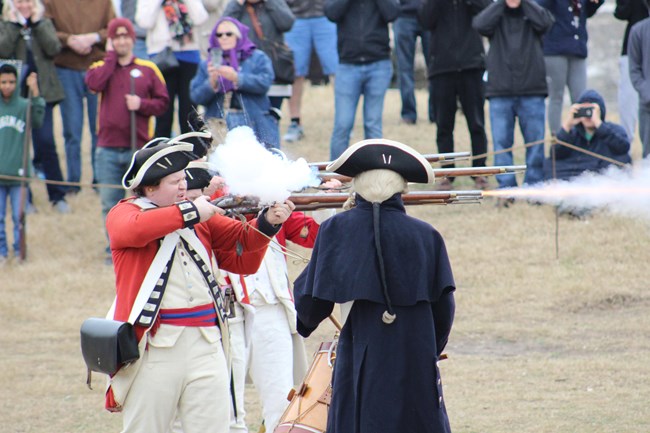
column 585, row 126
column 516, row 81
column 232, row 83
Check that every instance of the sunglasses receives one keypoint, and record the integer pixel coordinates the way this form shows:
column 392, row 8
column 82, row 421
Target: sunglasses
column 227, row 34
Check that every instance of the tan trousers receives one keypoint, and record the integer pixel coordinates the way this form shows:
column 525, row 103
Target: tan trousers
column 189, row 379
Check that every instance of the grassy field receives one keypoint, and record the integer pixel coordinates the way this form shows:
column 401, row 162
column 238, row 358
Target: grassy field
column 550, row 335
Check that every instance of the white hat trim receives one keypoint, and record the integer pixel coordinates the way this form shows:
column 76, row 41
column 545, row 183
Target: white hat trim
column 154, row 159
column 179, row 138
column 334, row 165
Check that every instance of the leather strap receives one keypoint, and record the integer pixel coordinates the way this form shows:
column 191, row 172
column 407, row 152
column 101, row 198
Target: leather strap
column 256, row 23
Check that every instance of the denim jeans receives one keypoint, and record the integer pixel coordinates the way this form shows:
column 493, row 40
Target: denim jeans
column 529, row 110
column 316, row 32
column 45, row 153
column 110, row 166
column 72, row 114
column 13, row 193
column 406, row 30
column 370, row 80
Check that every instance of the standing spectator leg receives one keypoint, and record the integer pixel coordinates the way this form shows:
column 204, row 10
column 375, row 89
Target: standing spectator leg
column 405, row 30
column 377, row 79
column 445, row 95
column 530, row 113
column 628, row 99
column 471, row 92
column 347, row 91
column 557, row 69
column 44, row 141
column 72, row 120
column 185, row 74
column 164, row 122
column 644, row 130
column 576, row 77
column 502, row 121
column 91, row 108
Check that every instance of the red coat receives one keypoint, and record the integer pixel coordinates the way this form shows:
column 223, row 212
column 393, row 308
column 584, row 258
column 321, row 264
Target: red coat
column 135, row 234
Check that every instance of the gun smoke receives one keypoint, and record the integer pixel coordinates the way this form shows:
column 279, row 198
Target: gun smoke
column 252, row 170
column 620, row 191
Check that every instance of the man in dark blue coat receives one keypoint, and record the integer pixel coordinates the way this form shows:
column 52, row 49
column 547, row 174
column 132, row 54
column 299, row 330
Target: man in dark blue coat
column 391, row 273
column 592, row 133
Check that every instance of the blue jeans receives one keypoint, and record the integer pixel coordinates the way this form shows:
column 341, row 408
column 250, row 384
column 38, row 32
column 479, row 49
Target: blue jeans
column 406, row 30
column 317, row 32
column 72, row 115
column 110, row 166
column 370, row 80
column 13, row 193
column 45, row 153
column 530, row 112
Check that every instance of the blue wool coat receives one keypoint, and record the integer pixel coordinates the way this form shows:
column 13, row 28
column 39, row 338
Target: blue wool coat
column 565, row 39
column 386, row 378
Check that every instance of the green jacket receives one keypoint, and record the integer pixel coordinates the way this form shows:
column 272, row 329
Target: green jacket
column 13, row 115
column 45, row 45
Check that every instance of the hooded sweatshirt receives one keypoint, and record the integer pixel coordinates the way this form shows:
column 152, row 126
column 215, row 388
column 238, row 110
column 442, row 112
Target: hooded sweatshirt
column 13, row 115
column 609, row 140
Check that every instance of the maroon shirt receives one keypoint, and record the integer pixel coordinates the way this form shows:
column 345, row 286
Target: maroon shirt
column 113, row 81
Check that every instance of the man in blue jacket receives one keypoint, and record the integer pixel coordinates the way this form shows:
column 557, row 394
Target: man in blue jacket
column 585, row 127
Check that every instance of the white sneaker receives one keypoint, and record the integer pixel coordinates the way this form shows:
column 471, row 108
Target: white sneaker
column 294, row 133
column 62, row 206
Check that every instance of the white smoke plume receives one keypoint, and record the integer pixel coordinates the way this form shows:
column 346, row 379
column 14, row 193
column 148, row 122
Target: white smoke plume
column 621, row 191
column 250, row 169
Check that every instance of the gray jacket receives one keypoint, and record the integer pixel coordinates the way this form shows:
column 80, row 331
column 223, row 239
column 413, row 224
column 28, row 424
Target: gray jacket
column 274, row 16
column 45, row 45
column 638, row 51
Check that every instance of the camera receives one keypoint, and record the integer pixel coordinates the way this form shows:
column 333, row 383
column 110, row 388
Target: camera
column 584, row 112
column 216, row 57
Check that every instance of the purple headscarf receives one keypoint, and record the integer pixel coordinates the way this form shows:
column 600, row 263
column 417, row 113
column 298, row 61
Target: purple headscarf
column 242, row 50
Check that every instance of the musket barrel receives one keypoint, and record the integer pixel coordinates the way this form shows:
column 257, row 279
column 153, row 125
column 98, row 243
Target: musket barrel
column 478, row 171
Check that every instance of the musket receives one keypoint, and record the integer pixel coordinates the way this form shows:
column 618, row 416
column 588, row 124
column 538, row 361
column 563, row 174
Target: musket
column 431, row 157
column 446, row 172
column 306, row 202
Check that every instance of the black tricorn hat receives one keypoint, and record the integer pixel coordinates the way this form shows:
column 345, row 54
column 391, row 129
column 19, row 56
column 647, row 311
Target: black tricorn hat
column 198, row 175
column 158, row 158
column 378, row 153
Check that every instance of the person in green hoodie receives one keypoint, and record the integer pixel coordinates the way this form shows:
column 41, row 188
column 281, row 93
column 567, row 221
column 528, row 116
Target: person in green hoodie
column 13, row 126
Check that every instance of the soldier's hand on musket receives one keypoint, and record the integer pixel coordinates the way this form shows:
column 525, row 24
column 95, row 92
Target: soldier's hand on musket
column 332, row 185
column 206, row 209
column 279, row 212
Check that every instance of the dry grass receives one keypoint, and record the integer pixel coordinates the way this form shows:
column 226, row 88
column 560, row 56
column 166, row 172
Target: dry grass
column 540, row 344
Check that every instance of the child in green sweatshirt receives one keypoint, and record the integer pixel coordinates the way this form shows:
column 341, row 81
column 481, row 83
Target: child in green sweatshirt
column 13, row 117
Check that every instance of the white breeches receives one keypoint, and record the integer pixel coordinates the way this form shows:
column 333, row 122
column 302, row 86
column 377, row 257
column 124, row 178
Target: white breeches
column 189, row 379
column 269, row 360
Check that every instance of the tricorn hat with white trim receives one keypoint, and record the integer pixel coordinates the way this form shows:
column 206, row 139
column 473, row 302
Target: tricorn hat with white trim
column 157, row 159
column 378, row 153
column 198, row 175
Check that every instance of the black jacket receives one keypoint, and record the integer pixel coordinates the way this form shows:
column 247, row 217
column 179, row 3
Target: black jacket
column 456, row 46
column 362, row 28
column 631, row 11
column 515, row 61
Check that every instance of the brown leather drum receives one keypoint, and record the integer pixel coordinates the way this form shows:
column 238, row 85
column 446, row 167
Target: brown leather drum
column 307, row 410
